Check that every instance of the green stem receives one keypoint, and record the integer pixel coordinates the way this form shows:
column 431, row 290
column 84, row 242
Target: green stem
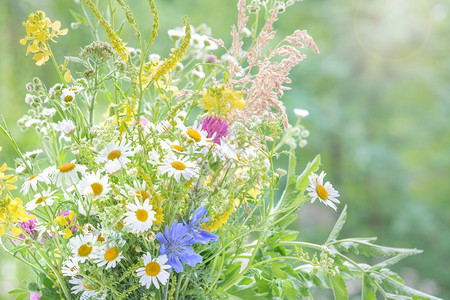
column 56, row 272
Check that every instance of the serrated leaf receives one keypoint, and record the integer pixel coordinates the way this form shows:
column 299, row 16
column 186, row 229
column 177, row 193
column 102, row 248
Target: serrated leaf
column 339, row 287
column 289, row 290
column 396, row 288
column 393, row 260
column 363, row 246
column 338, row 226
column 367, row 291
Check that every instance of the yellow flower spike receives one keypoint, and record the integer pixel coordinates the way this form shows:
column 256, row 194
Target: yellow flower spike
column 67, row 233
column 16, row 231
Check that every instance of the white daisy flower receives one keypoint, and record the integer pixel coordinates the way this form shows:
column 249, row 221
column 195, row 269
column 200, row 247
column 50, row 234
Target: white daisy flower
column 140, row 216
column 196, row 134
column 109, row 255
column 82, row 247
column 177, row 167
column 154, row 271
column 324, row 192
column 94, row 185
column 70, row 268
column 44, row 198
column 32, row 182
column 67, row 96
column 172, row 146
column 139, row 190
column 80, row 285
column 153, row 157
column 33, row 154
column 224, row 151
column 68, row 172
column 66, row 127
column 115, row 156
column 163, row 127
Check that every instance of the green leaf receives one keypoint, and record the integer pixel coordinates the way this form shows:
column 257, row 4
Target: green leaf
column 389, row 262
column 23, row 296
column 79, row 17
column 338, row 226
column 289, row 290
column 17, row 291
column 232, row 271
column 339, row 287
column 367, row 291
column 391, row 285
column 363, row 246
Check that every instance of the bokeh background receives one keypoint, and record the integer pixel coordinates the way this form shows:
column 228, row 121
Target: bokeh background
column 379, row 100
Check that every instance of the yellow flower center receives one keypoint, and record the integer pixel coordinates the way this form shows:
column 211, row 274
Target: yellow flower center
column 100, row 238
column 111, row 254
column 142, row 195
column 142, row 215
column 32, row 177
column 322, row 192
column 88, row 286
column 114, row 154
column 84, row 250
column 177, row 147
column 68, row 98
column 40, row 200
column 152, row 269
column 178, row 165
column 66, row 167
column 194, row 134
column 97, row 188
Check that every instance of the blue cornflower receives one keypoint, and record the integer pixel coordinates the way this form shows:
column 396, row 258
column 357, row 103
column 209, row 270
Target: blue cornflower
column 174, row 244
column 198, row 234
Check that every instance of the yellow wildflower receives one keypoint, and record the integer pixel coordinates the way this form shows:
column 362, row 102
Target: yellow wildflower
column 220, row 100
column 67, row 233
column 219, row 219
column 39, row 30
column 61, row 221
column 17, row 211
column 16, row 231
column 116, row 41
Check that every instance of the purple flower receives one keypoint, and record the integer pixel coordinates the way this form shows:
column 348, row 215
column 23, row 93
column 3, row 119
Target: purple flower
column 175, row 244
column 211, row 59
column 215, row 125
column 35, row 296
column 198, row 234
column 29, row 227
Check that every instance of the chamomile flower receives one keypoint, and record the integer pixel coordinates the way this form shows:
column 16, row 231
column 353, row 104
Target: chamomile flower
column 324, row 192
column 67, row 96
column 32, row 182
column 44, row 198
column 172, row 146
column 94, row 185
column 139, row 190
column 33, row 154
column 82, row 247
column 196, row 134
column 68, row 172
column 154, row 271
column 70, row 268
column 140, row 216
column 109, row 254
column 115, row 156
column 81, row 285
column 66, row 127
column 177, row 167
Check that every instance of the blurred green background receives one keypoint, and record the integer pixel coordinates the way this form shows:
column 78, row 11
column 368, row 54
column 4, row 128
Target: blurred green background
column 379, row 100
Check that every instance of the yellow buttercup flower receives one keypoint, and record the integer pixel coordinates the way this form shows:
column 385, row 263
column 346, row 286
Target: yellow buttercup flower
column 220, row 100
column 39, row 30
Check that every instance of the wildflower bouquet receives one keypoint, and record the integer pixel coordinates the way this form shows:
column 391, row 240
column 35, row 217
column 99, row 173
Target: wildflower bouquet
column 171, row 194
